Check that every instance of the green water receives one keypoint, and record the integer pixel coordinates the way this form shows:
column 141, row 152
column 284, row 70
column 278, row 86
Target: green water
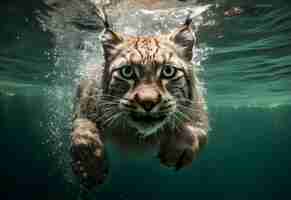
column 247, row 73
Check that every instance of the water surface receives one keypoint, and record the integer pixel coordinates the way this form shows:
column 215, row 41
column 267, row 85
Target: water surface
column 245, row 65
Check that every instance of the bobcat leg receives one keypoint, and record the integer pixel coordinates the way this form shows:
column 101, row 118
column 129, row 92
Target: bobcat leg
column 180, row 148
column 89, row 162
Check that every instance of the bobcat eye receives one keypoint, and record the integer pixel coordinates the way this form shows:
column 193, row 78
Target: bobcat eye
column 127, row 72
column 168, row 71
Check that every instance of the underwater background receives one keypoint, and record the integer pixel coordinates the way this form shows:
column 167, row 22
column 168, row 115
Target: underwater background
column 245, row 62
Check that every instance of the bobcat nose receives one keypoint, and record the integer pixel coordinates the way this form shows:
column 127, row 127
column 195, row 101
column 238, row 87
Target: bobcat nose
column 147, row 98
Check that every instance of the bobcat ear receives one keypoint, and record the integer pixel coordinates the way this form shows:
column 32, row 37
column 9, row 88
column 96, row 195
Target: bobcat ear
column 110, row 40
column 184, row 39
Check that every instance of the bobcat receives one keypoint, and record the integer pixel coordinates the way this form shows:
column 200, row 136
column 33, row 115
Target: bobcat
column 149, row 92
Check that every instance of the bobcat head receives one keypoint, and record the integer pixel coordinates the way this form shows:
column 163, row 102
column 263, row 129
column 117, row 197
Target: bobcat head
column 147, row 81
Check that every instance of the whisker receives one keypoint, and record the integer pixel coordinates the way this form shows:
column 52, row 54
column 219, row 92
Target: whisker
column 104, row 116
column 176, row 122
column 107, row 104
column 112, row 98
column 113, row 119
column 184, row 100
column 187, row 108
column 109, row 95
column 108, row 100
column 122, row 121
column 108, row 112
column 183, row 115
column 129, row 106
column 106, row 121
column 167, row 106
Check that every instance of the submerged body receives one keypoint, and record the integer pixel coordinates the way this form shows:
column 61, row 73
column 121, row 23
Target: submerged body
column 148, row 90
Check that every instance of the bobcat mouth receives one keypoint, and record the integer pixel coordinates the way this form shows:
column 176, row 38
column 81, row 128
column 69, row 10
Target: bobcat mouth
column 147, row 124
column 147, row 119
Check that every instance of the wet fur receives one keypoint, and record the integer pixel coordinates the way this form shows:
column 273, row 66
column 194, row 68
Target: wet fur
column 177, row 146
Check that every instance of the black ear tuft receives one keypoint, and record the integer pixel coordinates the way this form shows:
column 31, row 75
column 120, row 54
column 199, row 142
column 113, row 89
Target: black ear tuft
column 184, row 38
column 189, row 19
column 110, row 40
column 101, row 14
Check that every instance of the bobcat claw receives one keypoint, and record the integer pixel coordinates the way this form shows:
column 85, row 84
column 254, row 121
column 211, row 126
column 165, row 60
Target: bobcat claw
column 179, row 149
column 90, row 169
column 89, row 161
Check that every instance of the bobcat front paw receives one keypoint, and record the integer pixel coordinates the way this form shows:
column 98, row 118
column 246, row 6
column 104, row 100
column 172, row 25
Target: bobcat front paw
column 179, row 149
column 89, row 161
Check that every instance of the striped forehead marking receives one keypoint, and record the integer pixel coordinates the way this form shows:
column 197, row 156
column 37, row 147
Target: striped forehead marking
column 147, row 48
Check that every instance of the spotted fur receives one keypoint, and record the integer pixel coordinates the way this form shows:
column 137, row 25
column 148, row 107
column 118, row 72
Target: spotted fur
column 149, row 88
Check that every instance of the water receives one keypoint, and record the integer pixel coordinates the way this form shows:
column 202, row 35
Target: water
column 245, row 64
